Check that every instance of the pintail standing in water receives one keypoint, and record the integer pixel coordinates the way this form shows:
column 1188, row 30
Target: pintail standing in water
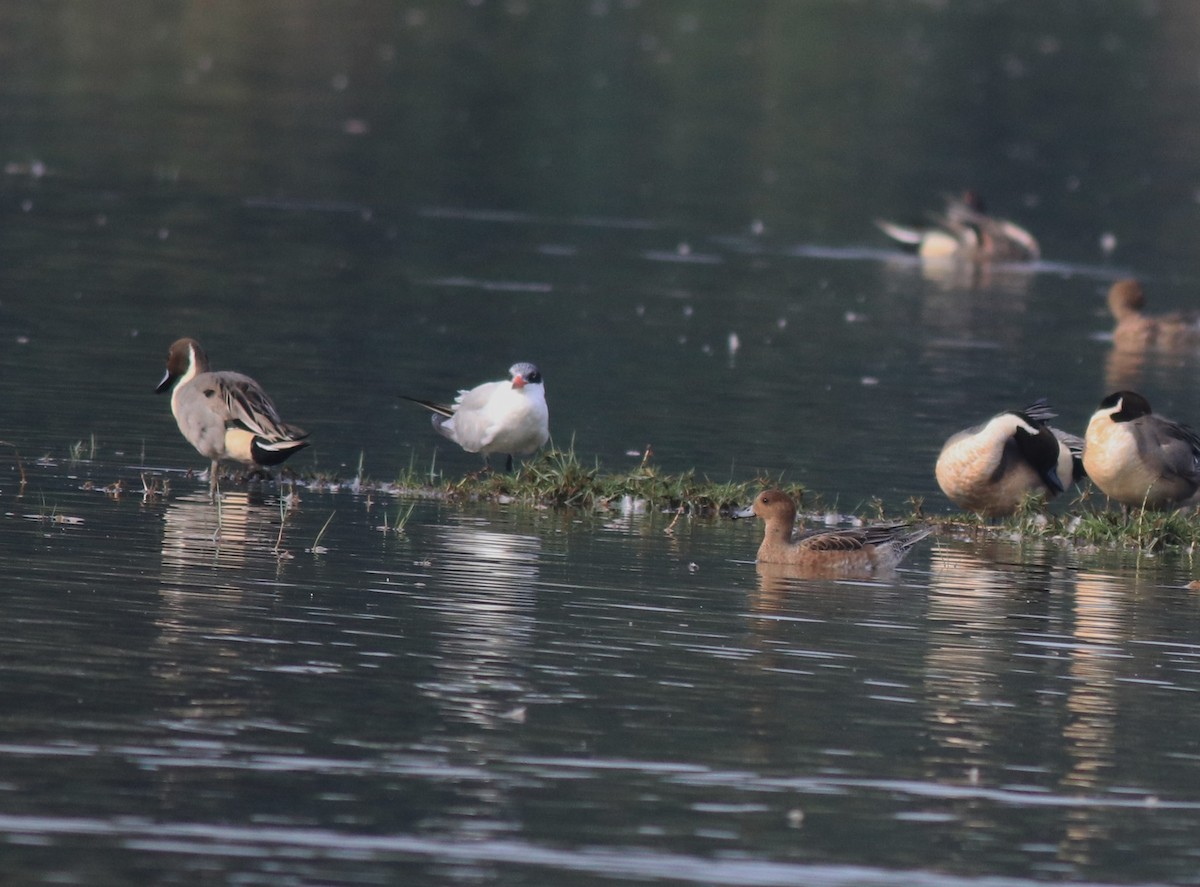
column 992, row 467
column 509, row 417
column 857, row 551
column 225, row 415
column 965, row 231
column 1136, row 330
column 1139, row 458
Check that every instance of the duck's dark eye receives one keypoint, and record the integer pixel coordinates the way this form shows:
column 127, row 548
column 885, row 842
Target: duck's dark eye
column 764, row 500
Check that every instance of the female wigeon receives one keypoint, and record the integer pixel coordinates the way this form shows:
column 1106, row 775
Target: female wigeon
column 859, row 550
column 509, row 417
column 966, row 231
column 1136, row 330
column 992, row 467
column 1138, row 458
column 225, row 415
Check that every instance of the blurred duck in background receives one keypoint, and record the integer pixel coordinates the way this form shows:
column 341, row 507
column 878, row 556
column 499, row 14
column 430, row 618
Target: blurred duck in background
column 964, row 230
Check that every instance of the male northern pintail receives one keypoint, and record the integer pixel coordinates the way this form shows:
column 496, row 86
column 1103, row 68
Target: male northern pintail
column 991, row 468
column 1139, row 458
column 225, row 415
column 509, row 417
column 965, row 230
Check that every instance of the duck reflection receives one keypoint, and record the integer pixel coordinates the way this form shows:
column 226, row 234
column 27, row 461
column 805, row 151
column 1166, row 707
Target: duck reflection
column 1100, row 628
column 211, row 594
column 956, row 276
column 966, row 304
column 488, row 580
column 243, row 526
column 974, row 596
column 970, row 594
column 776, row 582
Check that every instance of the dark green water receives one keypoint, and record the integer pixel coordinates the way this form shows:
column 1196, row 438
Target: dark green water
column 354, row 200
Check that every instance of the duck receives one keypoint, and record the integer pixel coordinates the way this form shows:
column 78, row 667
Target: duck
column 1139, row 458
column 225, row 415
column 965, row 231
column 865, row 550
column 991, row 468
column 509, row 416
column 1135, row 330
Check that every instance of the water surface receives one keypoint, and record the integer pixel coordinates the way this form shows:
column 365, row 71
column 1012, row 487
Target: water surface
column 351, row 201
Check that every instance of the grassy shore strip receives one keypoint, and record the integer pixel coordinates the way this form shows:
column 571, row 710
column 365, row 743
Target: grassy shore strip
column 559, row 478
column 1081, row 526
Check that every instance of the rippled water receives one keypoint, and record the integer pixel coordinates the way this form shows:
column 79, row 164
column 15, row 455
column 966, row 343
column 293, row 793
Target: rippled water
column 668, row 206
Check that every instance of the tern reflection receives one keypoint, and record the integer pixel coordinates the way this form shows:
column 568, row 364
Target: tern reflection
column 487, row 583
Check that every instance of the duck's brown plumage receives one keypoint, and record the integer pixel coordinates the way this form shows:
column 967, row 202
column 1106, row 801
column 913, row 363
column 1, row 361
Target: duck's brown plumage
column 1136, row 330
column 859, row 550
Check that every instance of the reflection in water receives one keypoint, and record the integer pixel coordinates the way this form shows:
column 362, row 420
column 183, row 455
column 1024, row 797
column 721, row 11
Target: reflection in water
column 205, row 602
column 966, row 305
column 487, row 613
column 969, row 598
column 777, row 581
column 199, row 533
column 1100, row 627
column 970, row 657
column 1125, row 366
column 958, row 277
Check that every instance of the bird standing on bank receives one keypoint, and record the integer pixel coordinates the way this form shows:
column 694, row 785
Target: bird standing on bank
column 1139, row 458
column 225, row 415
column 509, row 417
column 991, row 468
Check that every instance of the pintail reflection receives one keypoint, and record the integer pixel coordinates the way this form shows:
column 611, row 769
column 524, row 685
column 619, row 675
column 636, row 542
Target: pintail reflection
column 486, row 581
column 215, row 594
column 958, row 279
column 975, row 594
column 244, row 528
column 1100, row 629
